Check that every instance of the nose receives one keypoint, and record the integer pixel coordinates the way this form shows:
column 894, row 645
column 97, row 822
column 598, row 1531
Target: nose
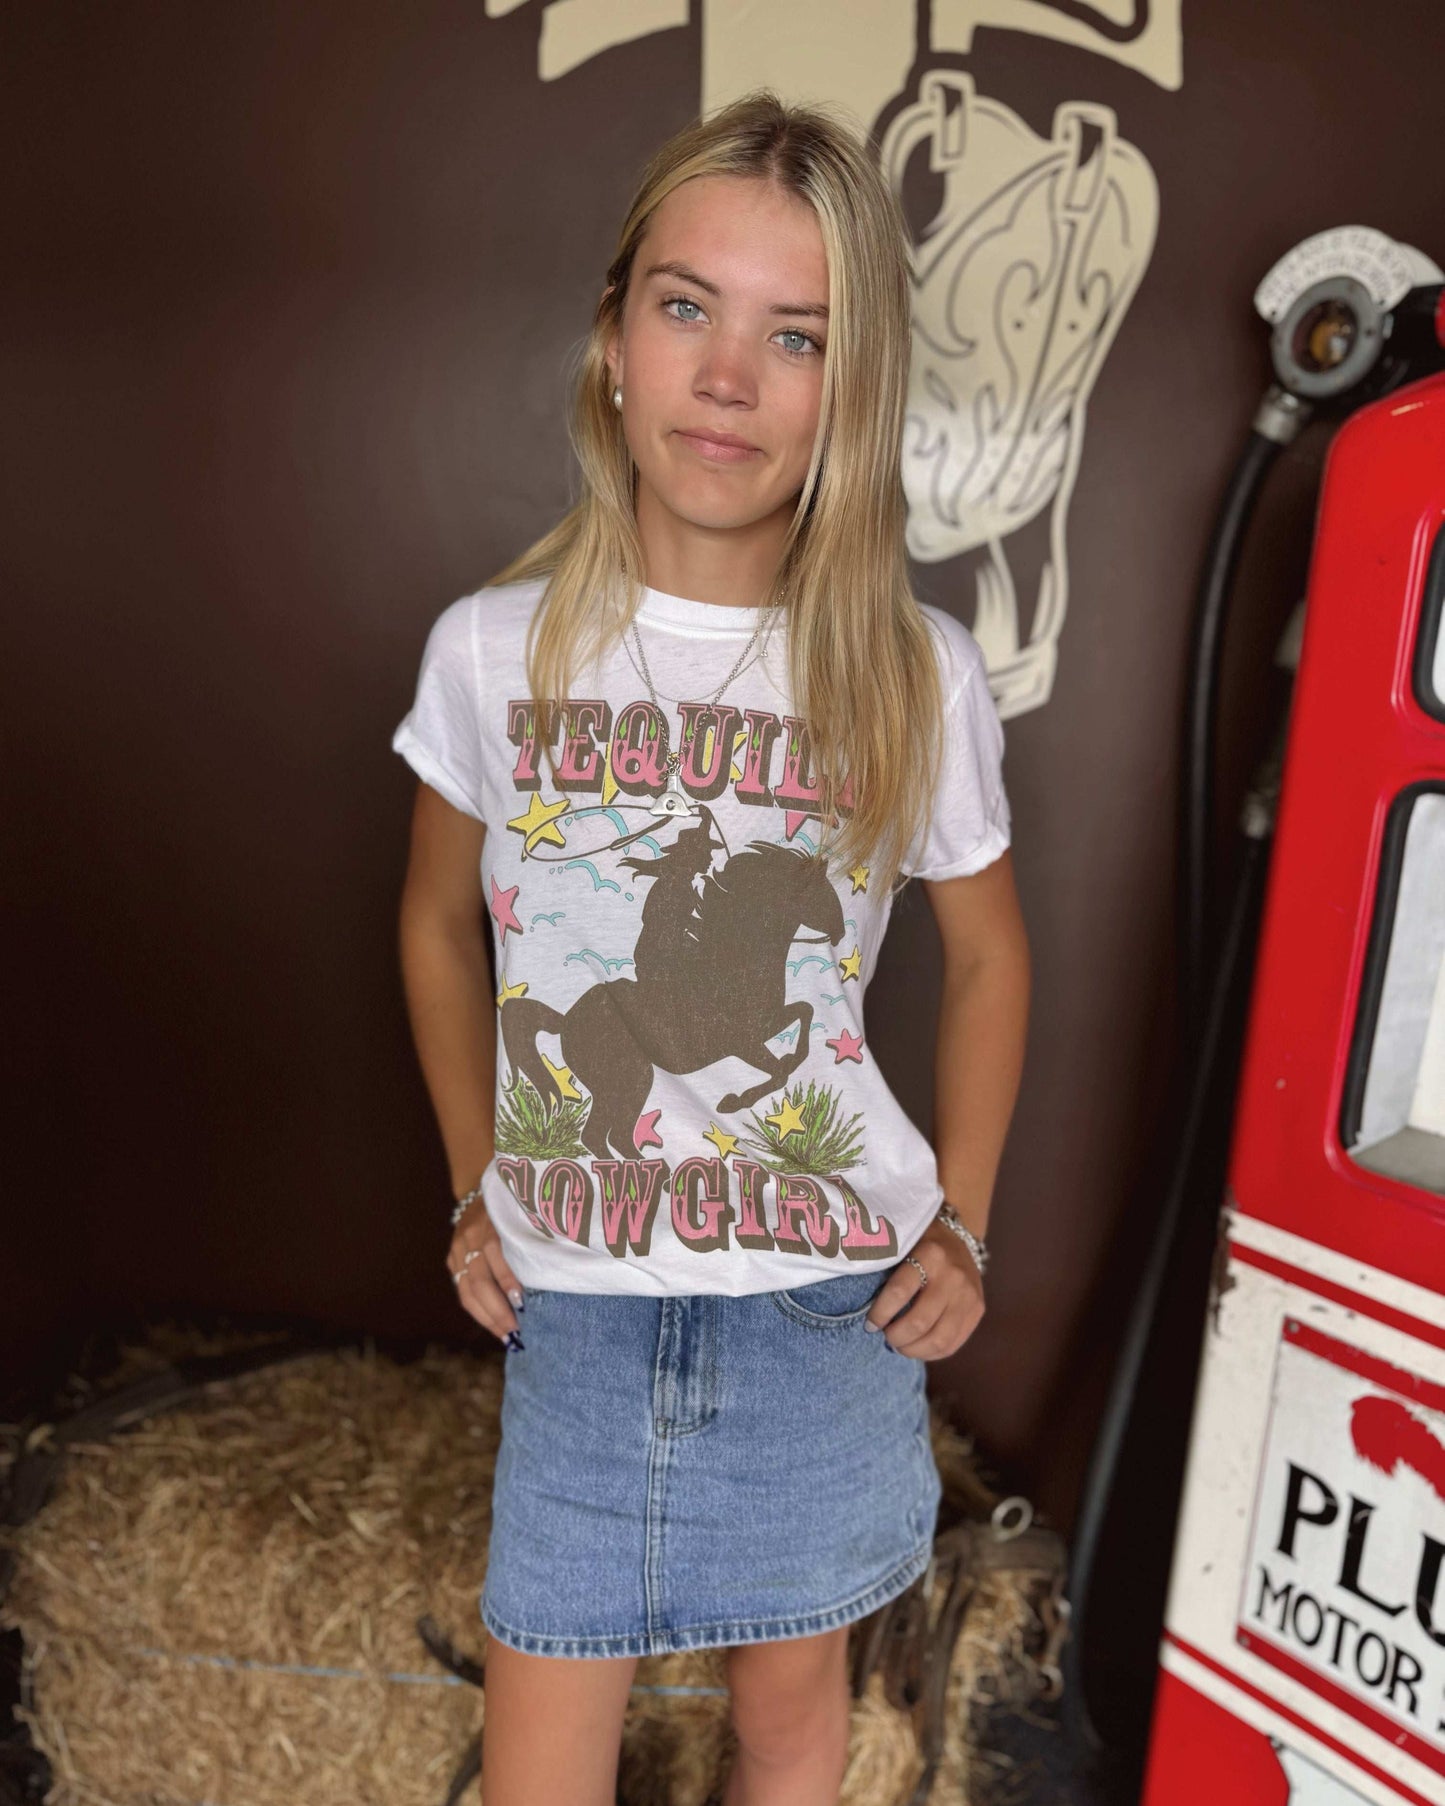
column 725, row 373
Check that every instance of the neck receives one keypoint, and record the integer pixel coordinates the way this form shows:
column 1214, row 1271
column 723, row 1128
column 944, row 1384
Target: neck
column 732, row 567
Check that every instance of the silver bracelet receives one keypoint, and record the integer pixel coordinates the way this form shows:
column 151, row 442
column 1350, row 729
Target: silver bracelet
column 948, row 1216
column 464, row 1204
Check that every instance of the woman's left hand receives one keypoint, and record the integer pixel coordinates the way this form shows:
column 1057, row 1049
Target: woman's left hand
column 948, row 1305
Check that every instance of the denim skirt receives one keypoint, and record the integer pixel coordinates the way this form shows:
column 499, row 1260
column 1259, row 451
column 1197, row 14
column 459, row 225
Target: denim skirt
column 701, row 1470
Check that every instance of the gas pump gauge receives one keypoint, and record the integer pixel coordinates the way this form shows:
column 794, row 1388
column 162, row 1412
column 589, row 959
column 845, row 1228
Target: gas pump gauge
column 1351, row 313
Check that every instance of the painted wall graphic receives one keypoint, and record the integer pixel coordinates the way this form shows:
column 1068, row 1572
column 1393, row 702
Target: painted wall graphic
column 1020, row 284
column 1022, row 278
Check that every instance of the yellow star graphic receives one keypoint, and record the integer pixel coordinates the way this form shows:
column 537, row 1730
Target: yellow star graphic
column 852, row 966
column 859, row 875
column 724, row 1143
column 563, row 1076
column 789, row 1119
column 540, row 822
column 509, row 991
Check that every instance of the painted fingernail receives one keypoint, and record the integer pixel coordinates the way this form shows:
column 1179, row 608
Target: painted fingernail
column 869, row 1324
column 516, row 1298
column 513, row 1342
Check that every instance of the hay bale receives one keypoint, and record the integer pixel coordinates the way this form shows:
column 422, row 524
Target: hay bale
column 222, row 1603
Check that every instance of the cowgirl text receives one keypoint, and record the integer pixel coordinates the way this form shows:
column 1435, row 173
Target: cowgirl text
column 713, row 1205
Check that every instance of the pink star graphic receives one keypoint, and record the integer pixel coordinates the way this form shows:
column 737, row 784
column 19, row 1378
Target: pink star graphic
column 645, row 1135
column 506, row 915
column 850, row 1047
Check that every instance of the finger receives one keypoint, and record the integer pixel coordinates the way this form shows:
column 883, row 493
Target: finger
column 463, row 1259
column 943, row 1325
column 507, row 1281
column 917, row 1323
column 467, row 1254
column 482, row 1297
column 470, row 1239
column 900, row 1289
column 506, row 1291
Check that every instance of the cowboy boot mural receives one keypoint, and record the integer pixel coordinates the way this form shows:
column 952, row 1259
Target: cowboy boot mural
column 1021, row 281
column 1020, row 284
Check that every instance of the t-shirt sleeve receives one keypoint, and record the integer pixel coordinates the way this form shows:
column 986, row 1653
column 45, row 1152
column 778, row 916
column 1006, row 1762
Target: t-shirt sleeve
column 971, row 823
column 440, row 736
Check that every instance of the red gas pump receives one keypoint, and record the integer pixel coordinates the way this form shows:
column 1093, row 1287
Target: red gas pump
column 1303, row 1650
column 1302, row 1657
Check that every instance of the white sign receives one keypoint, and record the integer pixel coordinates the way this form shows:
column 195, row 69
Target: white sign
column 1343, row 1588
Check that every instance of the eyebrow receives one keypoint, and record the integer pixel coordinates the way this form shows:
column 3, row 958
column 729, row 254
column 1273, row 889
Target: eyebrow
column 812, row 310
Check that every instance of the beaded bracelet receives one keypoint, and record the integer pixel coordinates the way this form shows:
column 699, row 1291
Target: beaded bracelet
column 463, row 1204
column 949, row 1218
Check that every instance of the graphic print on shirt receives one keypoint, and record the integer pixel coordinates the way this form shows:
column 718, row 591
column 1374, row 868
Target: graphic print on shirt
column 710, row 968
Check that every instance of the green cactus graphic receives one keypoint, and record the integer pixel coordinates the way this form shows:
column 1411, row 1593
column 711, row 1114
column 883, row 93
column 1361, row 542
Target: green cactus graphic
column 527, row 1125
column 822, row 1146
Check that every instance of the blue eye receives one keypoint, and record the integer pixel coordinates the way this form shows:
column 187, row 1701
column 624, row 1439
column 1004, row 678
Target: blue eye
column 812, row 346
column 796, row 332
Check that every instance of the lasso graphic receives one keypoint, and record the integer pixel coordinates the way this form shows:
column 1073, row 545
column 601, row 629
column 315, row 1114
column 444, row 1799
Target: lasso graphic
column 716, row 837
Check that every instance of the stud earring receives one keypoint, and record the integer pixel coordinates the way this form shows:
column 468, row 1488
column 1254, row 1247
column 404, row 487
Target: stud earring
column 617, row 399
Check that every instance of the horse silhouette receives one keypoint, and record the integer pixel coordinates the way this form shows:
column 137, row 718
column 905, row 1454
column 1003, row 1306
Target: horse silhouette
column 711, row 982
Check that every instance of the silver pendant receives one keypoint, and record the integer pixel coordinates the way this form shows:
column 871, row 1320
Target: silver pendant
column 674, row 800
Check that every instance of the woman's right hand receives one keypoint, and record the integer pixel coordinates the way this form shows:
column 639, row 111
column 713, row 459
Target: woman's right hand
column 486, row 1285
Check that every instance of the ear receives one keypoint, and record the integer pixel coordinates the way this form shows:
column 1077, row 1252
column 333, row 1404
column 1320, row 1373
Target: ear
column 613, row 351
column 613, row 355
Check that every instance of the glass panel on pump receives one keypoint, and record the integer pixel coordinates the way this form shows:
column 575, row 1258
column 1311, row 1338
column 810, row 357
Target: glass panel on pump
column 1393, row 1120
column 1430, row 651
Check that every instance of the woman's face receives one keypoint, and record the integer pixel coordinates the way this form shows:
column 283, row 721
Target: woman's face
column 728, row 341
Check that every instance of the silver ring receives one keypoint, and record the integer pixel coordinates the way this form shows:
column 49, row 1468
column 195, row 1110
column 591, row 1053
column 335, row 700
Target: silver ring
column 920, row 1266
column 457, row 1276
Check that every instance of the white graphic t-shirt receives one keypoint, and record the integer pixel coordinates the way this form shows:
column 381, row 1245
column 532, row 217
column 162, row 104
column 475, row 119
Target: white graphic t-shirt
column 686, row 1099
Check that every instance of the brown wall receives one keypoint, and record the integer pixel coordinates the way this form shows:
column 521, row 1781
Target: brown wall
column 287, row 293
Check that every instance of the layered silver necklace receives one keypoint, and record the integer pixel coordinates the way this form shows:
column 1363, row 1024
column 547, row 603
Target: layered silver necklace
column 674, row 800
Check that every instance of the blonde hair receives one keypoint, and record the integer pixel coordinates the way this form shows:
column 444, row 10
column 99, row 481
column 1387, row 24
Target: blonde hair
column 862, row 671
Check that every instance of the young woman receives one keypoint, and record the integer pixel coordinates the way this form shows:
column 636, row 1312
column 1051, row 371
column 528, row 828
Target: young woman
column 683, row 752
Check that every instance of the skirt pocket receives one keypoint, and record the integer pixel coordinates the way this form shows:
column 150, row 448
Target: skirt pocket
column 838, row 1303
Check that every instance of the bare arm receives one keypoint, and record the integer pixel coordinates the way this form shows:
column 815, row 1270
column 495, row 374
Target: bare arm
column 982, row 1028
column 445, row 975
column 982, row 1025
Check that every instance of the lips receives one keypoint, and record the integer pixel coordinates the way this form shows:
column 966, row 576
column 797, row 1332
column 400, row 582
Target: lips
column 702, row 432
column 718, row 448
